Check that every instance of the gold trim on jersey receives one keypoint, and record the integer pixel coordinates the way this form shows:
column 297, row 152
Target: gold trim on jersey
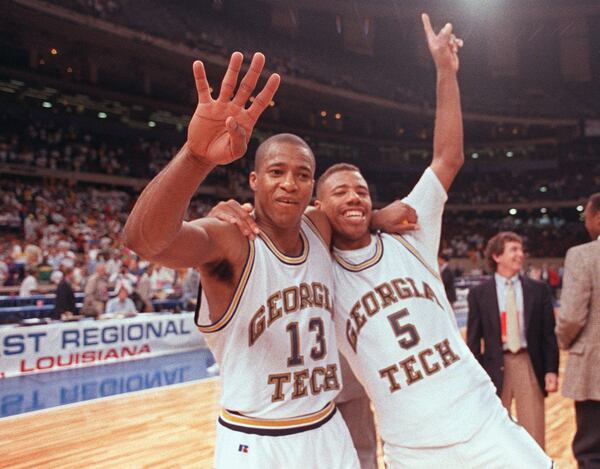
column 281, row 256
column 417, row 254
column 287, row 423
column 316, row 231
column 237, row 295
column 366, row 264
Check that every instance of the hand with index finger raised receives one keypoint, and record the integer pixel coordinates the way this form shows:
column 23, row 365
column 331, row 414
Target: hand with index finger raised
column 443, row 46
column 220, row 128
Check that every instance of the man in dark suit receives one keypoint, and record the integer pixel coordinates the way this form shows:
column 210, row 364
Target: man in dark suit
column 578, row 331
column 513, row 316
column 65, row 298
column 447, row 277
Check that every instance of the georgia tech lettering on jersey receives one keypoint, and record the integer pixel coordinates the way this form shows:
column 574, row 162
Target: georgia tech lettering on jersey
column 417, row 366
column 276, row 346
column 382, row 297
column 306, row 382
column 286, row 301
column 398, row 331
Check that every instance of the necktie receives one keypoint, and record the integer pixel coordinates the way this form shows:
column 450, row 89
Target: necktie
column 513, row 336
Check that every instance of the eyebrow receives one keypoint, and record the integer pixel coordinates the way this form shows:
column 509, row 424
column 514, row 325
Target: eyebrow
column 345, row 186
column 283, row 163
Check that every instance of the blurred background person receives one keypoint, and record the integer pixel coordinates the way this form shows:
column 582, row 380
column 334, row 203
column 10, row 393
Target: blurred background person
column 144, row 290
column 191, row 283
column 512, row 317
column 578, row 331
column 447, row 277
column 121, row 303
column 96, row 292
column 64, row 307
column 29, row 286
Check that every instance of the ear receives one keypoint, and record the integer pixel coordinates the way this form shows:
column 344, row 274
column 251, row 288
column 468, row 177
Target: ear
column 252, row 180
column 495, row 257
column 318, row 204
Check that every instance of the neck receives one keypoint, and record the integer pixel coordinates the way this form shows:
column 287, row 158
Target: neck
column 286, row 239
column 506, row 273
column 346, row 244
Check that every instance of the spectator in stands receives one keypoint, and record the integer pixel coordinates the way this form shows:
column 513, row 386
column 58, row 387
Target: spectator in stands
column 96, row 292
column 447, row 277
column 3, row 270
column 121, row 304
column 191, row 283
column 29, row 286
column 114, row 263
column 578, row 331
column 162, row 278
column 144, row 289
column 553, row 280
column 33, row 255
column 123, row 274
column 64, row 307
column 514, row 317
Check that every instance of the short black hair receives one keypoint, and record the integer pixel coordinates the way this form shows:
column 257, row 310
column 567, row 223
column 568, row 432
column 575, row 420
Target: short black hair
column 336, row 168
column 262, row 149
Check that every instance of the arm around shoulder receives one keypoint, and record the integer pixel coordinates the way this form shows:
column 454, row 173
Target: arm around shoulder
column 321, row 222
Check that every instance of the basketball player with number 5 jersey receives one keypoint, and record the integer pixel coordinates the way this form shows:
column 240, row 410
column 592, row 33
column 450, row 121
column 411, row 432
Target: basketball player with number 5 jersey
column 435, row 405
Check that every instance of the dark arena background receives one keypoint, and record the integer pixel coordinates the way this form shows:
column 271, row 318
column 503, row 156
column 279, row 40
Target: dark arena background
column 95, row 97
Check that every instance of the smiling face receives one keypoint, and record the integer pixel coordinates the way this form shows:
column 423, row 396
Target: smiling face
column 283, row 183
column 510, row 261
column 345, row 199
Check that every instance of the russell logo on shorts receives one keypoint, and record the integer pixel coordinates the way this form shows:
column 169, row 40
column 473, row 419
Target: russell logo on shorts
column 243, row 448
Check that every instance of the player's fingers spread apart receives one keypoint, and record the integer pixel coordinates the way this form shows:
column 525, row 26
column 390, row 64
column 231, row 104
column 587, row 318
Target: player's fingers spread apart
column 249, row 82
column 427, row 26
column 264, row 98
column 231, row 76
column 201, row 83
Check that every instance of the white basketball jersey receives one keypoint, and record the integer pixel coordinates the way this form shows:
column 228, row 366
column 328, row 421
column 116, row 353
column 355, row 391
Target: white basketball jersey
column 276, row 345
column 397, row 330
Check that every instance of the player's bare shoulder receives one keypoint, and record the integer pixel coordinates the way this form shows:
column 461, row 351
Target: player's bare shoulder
column 319, row 221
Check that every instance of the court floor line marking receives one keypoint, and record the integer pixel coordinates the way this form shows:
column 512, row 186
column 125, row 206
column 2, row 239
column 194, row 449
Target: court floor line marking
column 114, row 396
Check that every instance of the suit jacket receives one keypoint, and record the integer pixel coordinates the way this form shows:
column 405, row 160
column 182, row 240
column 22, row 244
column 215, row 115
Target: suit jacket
column 448, row 280
column 484, row 323
column 65, row 299
column 578, row 322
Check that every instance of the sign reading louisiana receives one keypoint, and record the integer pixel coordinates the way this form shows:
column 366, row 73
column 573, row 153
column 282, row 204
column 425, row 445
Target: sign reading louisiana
column 67, row 345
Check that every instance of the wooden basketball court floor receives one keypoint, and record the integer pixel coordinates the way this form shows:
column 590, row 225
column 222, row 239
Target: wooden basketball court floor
column 169, row 427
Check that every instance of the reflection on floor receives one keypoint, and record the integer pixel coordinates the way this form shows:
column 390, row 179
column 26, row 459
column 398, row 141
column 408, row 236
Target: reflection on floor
column 44, row 390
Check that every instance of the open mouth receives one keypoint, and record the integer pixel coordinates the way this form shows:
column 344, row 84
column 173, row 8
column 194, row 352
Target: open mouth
column 286, row 201
column 354, row 215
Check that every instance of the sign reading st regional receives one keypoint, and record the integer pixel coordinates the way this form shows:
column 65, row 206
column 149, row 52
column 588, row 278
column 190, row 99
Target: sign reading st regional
column 68, row 345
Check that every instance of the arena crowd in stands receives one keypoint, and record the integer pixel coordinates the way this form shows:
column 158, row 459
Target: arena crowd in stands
column 50, row 227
